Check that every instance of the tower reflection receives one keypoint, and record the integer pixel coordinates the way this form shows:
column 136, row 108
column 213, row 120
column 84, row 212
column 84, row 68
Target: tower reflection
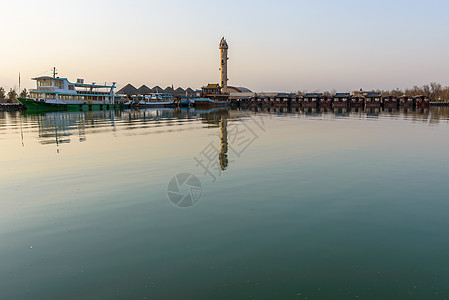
column 223, row 157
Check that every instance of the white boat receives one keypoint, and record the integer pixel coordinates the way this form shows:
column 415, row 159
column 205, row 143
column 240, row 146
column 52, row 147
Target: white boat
column 55, row 93
column 154, row 100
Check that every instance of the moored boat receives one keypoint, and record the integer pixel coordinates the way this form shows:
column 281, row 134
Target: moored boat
column 340, row 100
column 390, row 101
column 372, row 100
column 296, row 101
column 154, row 100
column 59, row 94
column 422, row 101
column 406, row 101
column 357, row 101
column 325, row 101
column 311, row 99
column 207, row 102
column 212, row 95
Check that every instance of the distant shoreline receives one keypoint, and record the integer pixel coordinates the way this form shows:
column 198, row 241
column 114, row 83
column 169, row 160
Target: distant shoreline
column 11, row 106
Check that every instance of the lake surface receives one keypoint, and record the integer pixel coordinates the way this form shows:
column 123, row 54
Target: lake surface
column 185, row 204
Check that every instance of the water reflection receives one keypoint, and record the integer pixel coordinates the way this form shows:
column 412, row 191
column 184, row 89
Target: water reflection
column 65, row 127
column 223, row 157
column 432, row 115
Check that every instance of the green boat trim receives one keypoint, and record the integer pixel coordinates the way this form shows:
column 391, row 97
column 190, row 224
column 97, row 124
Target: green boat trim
column 33, row 105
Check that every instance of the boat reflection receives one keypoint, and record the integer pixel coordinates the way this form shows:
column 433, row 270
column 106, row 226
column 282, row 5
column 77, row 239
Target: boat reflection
column 65, row 127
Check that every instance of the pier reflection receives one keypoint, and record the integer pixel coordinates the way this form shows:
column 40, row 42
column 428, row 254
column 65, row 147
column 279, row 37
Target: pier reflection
column 432, row 115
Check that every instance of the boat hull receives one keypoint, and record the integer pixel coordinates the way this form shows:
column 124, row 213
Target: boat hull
column 156, row 105
column 390, row 104
column 339, row 104
column 32, row 105
column 210, row 103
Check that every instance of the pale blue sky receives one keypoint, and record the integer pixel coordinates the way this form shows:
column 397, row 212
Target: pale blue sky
column 274, row 45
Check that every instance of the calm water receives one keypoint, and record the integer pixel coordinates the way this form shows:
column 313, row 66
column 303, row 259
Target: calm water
column 300, row 205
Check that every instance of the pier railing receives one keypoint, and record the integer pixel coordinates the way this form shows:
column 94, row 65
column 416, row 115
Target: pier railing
column 439, row 103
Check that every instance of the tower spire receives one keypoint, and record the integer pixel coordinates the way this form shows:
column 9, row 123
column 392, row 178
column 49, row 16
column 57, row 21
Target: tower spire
column 223, row 65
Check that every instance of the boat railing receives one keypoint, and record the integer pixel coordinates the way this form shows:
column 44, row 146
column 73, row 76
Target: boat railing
column 45, row 88
column 92, row 93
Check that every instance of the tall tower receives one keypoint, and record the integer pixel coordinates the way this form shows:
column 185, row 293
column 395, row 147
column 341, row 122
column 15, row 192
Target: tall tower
column 223, row 65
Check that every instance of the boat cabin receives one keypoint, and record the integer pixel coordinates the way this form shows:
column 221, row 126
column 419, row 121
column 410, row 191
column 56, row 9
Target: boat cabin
column 214, row 92
column 325, row 101
column 341, row 99
column 357, row 101
column 390, row 101
column 373, row 100
column 422, row 101
column 284, row 99
column 55, row 90
column 311, row 99
column 406, row 101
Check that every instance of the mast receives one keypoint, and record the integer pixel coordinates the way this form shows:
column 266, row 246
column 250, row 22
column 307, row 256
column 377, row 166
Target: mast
column 54, row 72
column 112, row 93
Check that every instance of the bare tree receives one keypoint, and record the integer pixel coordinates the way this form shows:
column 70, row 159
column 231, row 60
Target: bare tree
column 435, row 91
column 445, row 93
column 426, row 90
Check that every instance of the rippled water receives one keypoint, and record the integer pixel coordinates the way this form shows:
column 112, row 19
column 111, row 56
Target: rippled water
column 287, row 204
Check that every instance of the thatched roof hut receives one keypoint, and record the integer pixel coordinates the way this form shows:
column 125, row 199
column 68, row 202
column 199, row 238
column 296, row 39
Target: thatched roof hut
column 157, row 89
column 144, row 90
column 180, row 91
column 128, row 90
column 169, row 90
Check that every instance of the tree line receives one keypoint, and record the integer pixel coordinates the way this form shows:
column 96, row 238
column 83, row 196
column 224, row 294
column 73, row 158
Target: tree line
column 434, row 91
column 11, row 96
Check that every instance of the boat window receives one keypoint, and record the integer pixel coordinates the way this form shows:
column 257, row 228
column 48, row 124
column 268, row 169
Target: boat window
column 71, row 87
column 44, row 83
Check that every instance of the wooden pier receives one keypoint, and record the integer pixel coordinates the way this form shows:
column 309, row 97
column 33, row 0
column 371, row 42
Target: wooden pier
column 339, row 100
column 439, row 103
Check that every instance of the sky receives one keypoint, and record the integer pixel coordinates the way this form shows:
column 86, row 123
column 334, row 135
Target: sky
column 278, row 45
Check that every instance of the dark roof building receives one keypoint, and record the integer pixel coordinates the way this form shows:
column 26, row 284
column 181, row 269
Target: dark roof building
column 313, row 95
column 157, row 89
column 169, row 90
column 342, row 95
column 128, row 89
column 180, row 91
column 144, row 90
column 234, row 89
column 372, row 95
